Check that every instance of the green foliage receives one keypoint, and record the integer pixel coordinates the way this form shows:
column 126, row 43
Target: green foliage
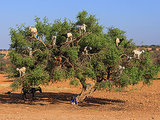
column 74, row 82
column 16, row 84
column 116, row 33
column 100, row 62
column 19, row 60
column 58, row 74
column 38, row 76
column 71, row 73
column 72, row 53
column 135, row 74
column 104, row 85
column 1, row 60
column 2, row 65
column 2, row 55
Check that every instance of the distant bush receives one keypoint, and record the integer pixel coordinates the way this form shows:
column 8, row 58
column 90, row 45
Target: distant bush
column 74, row 82
column 2, row 55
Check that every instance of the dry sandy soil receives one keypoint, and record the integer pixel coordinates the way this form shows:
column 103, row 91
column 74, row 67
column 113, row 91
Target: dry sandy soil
column 133, row 103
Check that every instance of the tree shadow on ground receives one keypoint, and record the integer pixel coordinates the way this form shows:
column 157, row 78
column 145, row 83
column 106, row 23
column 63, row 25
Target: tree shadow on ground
column 53, row 98
column 156, row 79
column 103, row 101
column 9, row 81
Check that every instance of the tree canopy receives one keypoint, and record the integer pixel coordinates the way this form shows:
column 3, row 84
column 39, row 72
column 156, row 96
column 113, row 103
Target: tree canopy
column 100, row 64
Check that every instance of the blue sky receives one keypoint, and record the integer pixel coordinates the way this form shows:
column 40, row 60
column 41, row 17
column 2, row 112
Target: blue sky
column 139, row 18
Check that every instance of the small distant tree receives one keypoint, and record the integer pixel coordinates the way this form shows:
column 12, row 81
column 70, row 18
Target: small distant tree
column 100, row 65
column 2, row 65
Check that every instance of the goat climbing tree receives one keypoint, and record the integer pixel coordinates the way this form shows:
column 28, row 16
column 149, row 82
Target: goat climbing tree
column 46, row 62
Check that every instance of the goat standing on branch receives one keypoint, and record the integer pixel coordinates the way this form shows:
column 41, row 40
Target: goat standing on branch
column 21, row 71
column 138, row 53
column 54, row 40
column 30, row 52
column 118, row 41
column 86, row 50
column 120, row 70
column 81, row 28
column 33, row 31
column 68, row 36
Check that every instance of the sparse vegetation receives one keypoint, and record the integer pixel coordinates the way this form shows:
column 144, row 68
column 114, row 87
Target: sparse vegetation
column 74, row 82
column 3, row 63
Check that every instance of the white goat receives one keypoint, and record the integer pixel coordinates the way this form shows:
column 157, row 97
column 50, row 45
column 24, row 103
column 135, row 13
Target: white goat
column 81, row 28
column 33, row 31
column 54, row 40
column 68, row 36
column 118, row 41
column 30, row 52
column 138, row 53
column 21, row 71
column 86, row 49
column 120, row 70
column 129, row 58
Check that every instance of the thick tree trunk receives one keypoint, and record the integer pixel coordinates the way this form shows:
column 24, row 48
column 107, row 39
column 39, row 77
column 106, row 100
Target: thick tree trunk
column 86, row 91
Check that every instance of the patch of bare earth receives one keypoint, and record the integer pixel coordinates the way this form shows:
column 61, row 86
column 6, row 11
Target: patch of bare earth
column 134, row 103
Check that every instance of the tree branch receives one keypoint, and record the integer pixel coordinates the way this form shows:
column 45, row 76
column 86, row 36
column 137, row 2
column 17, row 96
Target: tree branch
column 41, row 42
column 67, row 60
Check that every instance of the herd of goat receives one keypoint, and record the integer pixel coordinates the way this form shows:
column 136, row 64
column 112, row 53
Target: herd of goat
column 69, row 37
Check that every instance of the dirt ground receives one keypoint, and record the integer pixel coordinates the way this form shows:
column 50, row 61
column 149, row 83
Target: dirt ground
column 134, row 103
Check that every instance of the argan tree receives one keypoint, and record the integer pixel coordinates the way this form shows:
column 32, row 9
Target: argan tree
column 46, row 62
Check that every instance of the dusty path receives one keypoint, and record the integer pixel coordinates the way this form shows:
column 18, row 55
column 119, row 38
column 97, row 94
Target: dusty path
column 133, row 103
